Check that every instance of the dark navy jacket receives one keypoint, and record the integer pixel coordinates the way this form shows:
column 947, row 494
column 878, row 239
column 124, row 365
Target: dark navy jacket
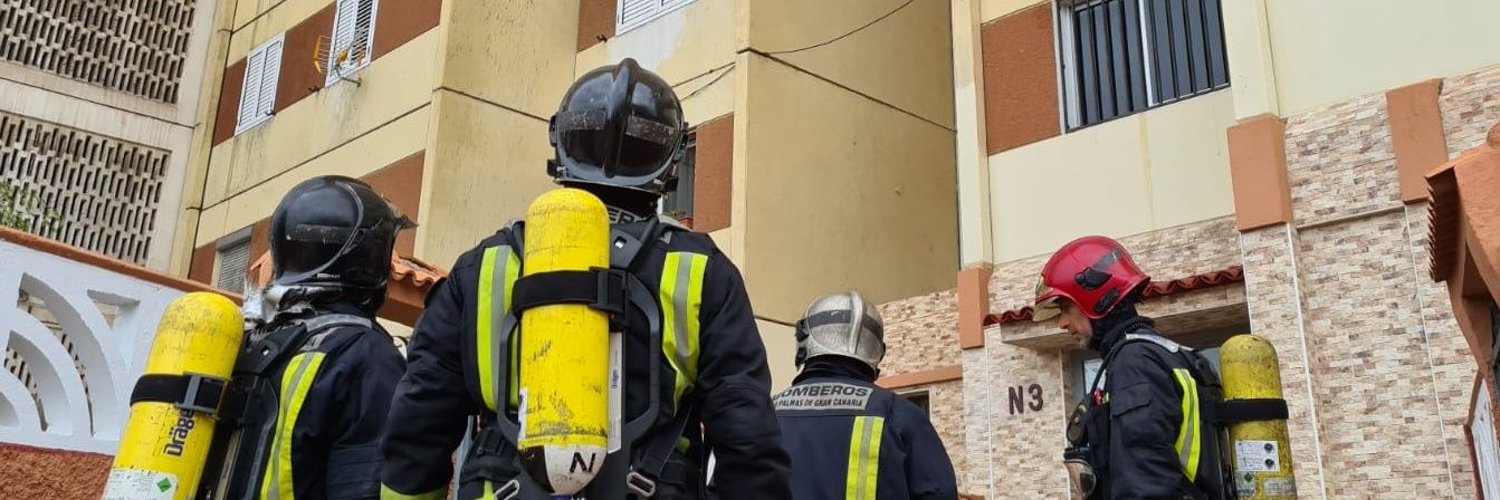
column 849, row 438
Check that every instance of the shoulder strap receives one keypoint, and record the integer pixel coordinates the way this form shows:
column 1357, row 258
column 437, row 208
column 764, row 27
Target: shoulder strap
column 1155, row 339
column 320, row 327
column 1132, row 338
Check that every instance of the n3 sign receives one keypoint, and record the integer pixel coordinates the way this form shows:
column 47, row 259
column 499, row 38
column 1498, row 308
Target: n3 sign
column 1019, row 401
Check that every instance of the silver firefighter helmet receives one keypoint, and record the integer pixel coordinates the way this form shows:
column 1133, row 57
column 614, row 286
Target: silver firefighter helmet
column 841, row 324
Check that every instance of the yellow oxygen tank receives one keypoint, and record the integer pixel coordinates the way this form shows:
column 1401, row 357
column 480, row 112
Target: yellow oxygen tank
column 163, row 446
column 1260, row 449
column 564, row 353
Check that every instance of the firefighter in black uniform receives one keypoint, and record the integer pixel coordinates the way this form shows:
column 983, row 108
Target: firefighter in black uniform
column 307, row 402
column 692, row 353
column 849, row 438
column 1150, row 432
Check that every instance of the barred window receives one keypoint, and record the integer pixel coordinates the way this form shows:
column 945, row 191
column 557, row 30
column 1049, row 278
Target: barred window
column 1120, row 57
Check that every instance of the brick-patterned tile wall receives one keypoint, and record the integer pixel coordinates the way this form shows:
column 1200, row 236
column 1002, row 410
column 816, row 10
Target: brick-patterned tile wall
column 921, row 333
column 1339, row 160
column 1470, row 104
column 1272, row 284
column 975, row 476
column 1024, row 447
column 1452, row 364
column 1386, row 362
column 1377, row 401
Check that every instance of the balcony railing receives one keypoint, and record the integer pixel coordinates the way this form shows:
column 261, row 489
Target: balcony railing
column 75, row 332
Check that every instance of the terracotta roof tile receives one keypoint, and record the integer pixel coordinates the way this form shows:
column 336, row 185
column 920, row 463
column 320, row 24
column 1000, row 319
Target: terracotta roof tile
column 1231, row 274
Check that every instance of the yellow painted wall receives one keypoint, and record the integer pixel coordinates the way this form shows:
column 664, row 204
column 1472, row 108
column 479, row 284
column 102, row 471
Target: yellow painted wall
column 991, row 10
column 381, row 147
column 394, row 85
column 684, row 46
column 1161, row 168
column 256, row 21
column 484, row 167
column 903, row 60
column 504, row 68
column 515, row 54
column 1332, row 50
column 840, row 192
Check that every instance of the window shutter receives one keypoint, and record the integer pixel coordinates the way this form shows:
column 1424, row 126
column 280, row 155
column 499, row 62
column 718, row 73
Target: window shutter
column 270, row 73
column 634, row 12
column 250, row 92
column 364, row 32
column 234, row 262
column 344, row 19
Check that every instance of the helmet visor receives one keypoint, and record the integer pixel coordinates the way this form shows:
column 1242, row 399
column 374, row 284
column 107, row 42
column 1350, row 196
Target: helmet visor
column 597, row 152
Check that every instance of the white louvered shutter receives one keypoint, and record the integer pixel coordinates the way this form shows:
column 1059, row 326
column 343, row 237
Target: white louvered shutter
column 344, row 20
column 364, row 30
column 270, row 74
column 634, row 12
column 250, row 92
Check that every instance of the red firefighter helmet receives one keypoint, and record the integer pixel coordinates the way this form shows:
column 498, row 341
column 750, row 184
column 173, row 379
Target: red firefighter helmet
column 1095, row 273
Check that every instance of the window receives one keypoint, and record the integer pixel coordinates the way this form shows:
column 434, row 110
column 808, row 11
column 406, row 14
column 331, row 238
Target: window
column 632, row 13
column 1124, row 56
column 1086, row 363
column 678, row 203
column 258, row 95
column 233, row 262
column 922, row 399
column 353, row 37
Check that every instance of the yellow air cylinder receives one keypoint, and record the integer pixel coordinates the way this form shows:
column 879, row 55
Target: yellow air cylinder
column 1260, row 449
column 564, row 353
column 163, row 447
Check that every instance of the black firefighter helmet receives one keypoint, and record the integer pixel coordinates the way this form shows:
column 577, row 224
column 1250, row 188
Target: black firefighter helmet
column 618, row 126
column 336, row 234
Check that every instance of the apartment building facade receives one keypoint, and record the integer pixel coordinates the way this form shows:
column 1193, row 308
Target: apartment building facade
column 814, row 169
column 1264, row 160
column 97, row 107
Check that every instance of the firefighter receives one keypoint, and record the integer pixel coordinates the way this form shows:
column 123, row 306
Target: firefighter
column 692, row 354
column 1149, row 432
column 307, row 402
column 849, row 438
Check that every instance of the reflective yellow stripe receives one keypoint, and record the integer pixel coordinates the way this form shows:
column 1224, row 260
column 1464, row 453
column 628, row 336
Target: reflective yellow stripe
column 493, row 303
column 681, row 299
column 386, row 493
column 295, row 381
column 489, row 491
column 1188, row 438
column 864, row 458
